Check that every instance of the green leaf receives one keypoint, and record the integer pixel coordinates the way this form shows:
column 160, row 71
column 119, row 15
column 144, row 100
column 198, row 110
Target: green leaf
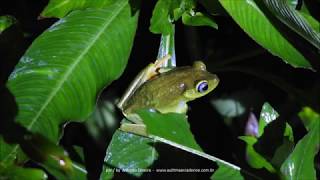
column 129, row 152
column 198, row 19
column 6, row 21
column 167, row 11
column 282, row 152
column 313, row 22
column 171, row 126
column 18, row 173
column 60, row 75
column 304, row 11
column 160, row 21
column 173, row 129
column 293, row 20
column 300, row 163
column 267, row 115
column 251, row 19
column 254, row 159
column 308, row 117
column 60, row 8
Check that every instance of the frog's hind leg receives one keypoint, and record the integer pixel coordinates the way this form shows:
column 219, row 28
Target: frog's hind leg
column 147, row 73
column 139, row 129
column 133, row 124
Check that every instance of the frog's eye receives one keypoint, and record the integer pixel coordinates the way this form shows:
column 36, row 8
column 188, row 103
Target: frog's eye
column 202, row 86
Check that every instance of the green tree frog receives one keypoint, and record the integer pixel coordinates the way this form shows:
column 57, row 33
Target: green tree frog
column 165, row 90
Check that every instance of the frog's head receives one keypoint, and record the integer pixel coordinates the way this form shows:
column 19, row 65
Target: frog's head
column 201, row 83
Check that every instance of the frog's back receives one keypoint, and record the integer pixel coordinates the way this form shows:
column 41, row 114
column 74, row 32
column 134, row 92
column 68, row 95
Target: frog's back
column 165, row 91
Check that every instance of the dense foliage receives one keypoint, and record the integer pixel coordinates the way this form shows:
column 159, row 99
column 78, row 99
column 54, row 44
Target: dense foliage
column 65, row 64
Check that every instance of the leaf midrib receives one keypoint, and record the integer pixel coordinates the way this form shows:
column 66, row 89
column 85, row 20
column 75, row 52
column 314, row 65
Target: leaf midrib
column 68, row 72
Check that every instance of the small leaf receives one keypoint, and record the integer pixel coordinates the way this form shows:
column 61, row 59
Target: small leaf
column 167, row 11
column 309, row 117
column 251, row 19
column 254, row 159
column 267, row 115
column 300, row 163
column 6, row 22
column 198, row 19
column 160, row 21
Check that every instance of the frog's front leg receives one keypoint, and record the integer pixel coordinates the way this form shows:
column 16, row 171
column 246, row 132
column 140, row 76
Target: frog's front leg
column 147, row 73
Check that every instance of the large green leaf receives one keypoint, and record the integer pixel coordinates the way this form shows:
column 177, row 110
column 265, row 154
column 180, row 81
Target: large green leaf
column 290, row 17
column 59, row 8
column 173, row 129
column 131, row 152
column 251, row 19
column 300, row 163
column 171, row 126
column 60, row 75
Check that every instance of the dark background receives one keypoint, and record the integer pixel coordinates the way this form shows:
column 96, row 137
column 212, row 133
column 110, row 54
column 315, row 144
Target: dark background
column 247, row 73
